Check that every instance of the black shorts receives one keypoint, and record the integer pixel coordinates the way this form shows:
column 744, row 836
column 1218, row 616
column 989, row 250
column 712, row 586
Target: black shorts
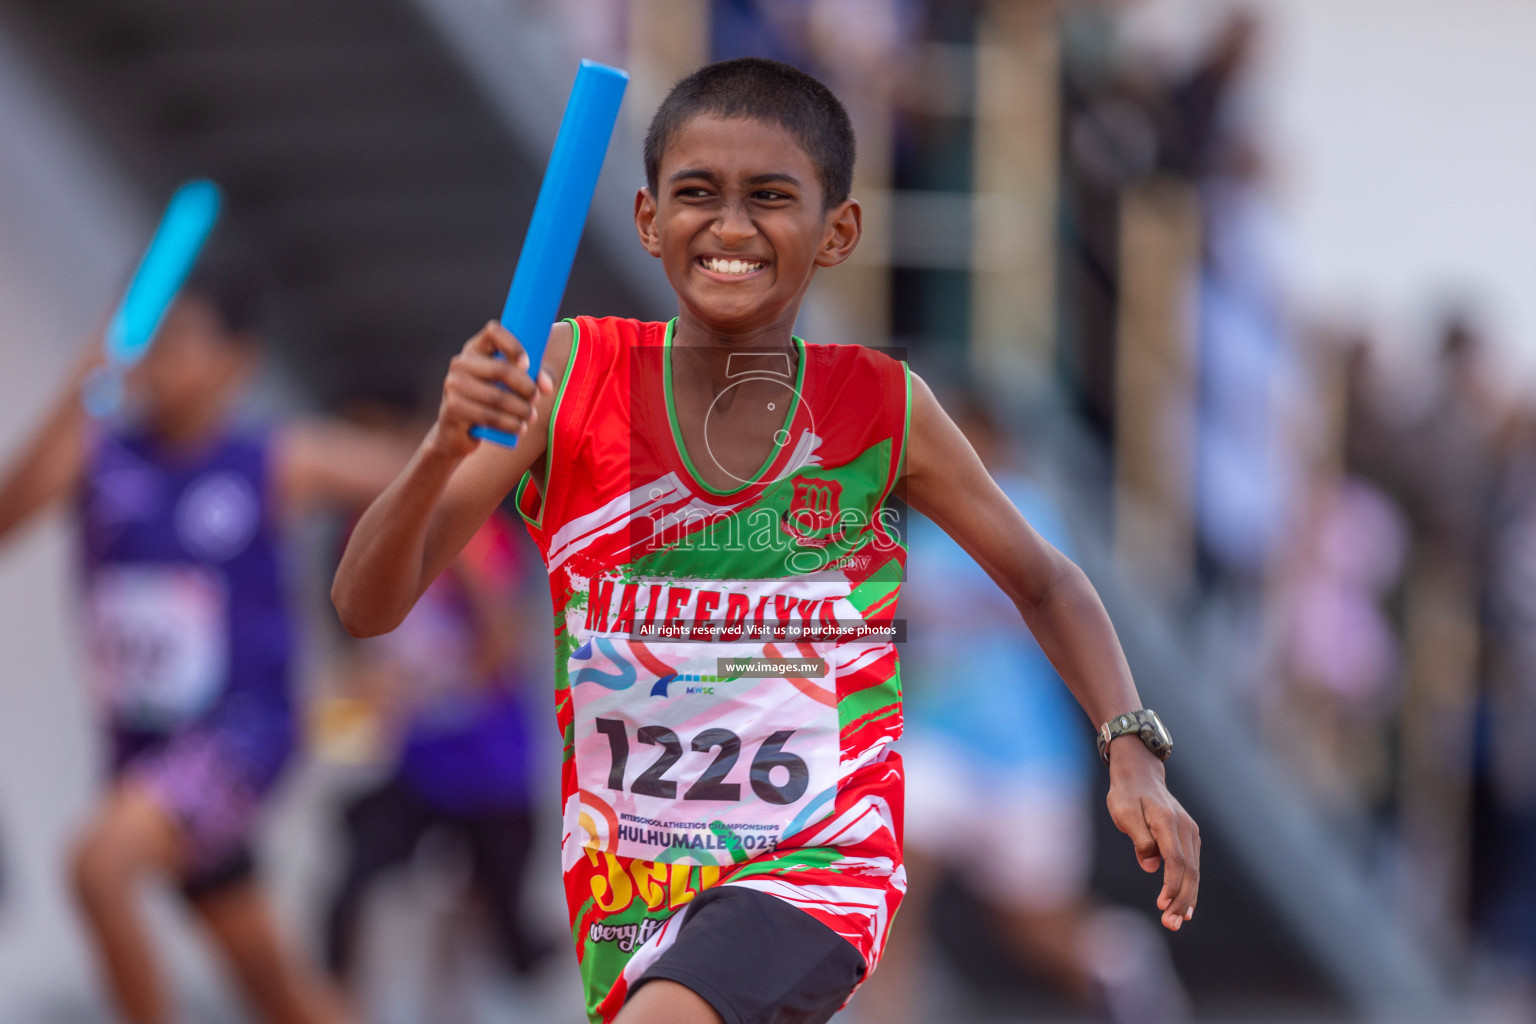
column 758, row 960
column 210, row 880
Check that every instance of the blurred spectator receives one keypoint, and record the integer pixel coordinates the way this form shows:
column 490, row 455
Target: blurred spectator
column 814, row 35
column 450, row 678
column 1445, row 466
column 1246, row 473
column 1341, row 657
column 1245, row 461
column 1109, row 141
column 999, row 782
column 189, row 636
column 1504, row 777
column 1196, row 121
column 1448, row 454
column 758, row 28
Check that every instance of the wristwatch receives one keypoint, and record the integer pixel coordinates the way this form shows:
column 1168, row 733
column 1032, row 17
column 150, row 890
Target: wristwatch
column 1144, row 723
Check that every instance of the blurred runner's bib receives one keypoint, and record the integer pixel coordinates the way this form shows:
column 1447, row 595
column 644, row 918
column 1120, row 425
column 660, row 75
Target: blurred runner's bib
column 159, row 650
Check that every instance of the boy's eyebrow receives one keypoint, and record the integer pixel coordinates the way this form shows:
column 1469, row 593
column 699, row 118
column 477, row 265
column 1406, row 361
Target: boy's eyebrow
column 695, row 172
column 756, row 179
column 771, row 176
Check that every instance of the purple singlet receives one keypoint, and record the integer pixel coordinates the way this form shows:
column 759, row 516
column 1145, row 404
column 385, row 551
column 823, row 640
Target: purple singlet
column 189, row 640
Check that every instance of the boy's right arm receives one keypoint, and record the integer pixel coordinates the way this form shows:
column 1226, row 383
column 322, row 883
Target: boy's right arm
column 453, row 482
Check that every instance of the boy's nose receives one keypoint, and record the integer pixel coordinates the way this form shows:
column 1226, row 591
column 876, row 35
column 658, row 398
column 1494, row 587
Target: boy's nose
column 734, row 225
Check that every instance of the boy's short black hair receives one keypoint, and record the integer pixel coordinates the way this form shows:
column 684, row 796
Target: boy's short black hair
column 763, row 90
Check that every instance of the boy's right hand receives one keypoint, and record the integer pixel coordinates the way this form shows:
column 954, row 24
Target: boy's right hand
column 487, row 385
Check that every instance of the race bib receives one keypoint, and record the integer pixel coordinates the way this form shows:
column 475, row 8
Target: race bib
column 704, row 752
column 159, row 648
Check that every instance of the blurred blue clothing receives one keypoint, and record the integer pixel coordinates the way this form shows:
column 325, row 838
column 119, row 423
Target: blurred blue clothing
column 470, row 753
column 975, row 679
column 751, row 28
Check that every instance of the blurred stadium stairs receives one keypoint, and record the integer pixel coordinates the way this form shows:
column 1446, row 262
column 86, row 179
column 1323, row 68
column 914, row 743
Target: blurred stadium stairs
column 382, row 157
column 365, row 162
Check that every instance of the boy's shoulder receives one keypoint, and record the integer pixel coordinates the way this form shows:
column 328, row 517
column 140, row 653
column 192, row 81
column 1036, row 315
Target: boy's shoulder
column 618, row 331
column 855, row 379
column 851, row 355
column 597, row 344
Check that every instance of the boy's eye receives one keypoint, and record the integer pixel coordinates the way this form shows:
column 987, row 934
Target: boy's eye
column 692, row 192
column 768, row 195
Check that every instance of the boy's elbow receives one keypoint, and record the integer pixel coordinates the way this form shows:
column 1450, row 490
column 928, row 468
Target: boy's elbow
column 356, row 618
column 1064, row 575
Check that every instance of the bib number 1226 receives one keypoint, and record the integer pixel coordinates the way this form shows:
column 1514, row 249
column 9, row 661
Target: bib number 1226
column 711, row 785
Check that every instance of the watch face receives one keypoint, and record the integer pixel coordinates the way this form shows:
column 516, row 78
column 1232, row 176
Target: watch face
column 1154, row 733
column 1143, row 724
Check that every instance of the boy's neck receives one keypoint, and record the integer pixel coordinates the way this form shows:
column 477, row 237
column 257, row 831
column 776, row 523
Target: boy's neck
column 710, row 348
column 692, row 331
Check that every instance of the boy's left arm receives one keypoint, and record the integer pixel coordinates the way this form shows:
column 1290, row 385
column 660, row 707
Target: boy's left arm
column 945, row 480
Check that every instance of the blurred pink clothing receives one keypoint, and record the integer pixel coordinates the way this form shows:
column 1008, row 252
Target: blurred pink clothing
column 1339, row 634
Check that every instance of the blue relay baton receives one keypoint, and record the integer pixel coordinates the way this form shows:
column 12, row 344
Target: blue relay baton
column 549, row 248
column 186, row 224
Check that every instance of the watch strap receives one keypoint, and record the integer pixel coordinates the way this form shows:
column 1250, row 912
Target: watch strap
column 1143, row 723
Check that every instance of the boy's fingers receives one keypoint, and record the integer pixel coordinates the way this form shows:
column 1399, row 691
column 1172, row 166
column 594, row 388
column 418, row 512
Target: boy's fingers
column 1184, row 904
column 467, row 414
column 1132, row 821
column 506, row 424
column 503, row 341
column 1163, row 834
column 1181, row 879
column 1174, row 862
column 474, row 414
column 481, row 393
column 499, row 371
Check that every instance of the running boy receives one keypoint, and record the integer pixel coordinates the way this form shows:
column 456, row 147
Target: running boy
column 708, row 496
column 189, row 640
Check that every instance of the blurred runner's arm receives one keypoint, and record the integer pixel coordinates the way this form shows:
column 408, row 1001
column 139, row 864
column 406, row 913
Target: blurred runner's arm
column 453, row 482
column 49, row 466
column 946, row 481
column 322, row 463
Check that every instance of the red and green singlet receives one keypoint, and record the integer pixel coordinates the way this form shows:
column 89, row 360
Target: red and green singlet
column 726, row 676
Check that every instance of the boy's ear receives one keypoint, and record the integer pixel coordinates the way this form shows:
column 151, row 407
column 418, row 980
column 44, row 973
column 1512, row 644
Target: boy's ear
column 645, row 221
column 844, row 226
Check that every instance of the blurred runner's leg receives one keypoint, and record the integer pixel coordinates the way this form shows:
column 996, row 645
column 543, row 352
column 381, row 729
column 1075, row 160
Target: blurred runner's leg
column 129, row 838
column 280, row 989
column 383, row 827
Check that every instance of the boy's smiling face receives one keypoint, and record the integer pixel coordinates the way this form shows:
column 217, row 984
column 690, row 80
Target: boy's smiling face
column 739, row 223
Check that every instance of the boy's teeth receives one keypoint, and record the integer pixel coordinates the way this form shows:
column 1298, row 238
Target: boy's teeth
column 720, row 266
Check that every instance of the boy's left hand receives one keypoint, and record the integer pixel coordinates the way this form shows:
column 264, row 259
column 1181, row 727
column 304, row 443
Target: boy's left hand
column 1161, row 830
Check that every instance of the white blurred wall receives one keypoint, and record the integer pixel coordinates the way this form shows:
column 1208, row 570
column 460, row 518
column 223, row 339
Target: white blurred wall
column 69, row 228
